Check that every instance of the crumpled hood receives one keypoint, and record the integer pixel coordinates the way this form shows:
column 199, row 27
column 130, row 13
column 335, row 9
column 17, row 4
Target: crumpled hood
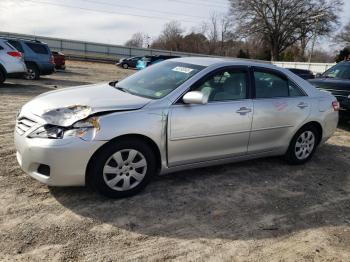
column 99, row 97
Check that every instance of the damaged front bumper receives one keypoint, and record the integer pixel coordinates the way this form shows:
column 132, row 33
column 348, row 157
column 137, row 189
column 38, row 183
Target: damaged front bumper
column 55, row 162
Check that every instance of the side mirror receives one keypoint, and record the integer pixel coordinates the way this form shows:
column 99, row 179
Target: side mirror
column 318, row 75
column 195, row 97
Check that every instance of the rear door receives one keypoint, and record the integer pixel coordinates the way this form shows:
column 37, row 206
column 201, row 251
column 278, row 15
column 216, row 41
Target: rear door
column 279, row 106
column 216, row 130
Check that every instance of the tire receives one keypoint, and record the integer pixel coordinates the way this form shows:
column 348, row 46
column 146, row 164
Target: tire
column 32, row 72
column 113, row 175
column 303, row 145
column 125, row 66
column 2, row 76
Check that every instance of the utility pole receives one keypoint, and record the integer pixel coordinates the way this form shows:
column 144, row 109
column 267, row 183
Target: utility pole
column 147, row 39
column 317, row 18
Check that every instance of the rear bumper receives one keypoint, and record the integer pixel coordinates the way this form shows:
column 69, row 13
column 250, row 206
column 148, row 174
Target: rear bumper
column 47, row 69
column 330, row 126
column 67, row 159
column 17, row 68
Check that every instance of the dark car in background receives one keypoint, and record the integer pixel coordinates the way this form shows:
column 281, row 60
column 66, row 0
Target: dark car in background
column 59, row 59
column 37, row 57
column 150, row 60
column 337, row 81
column 129, row 62
column 303, row 73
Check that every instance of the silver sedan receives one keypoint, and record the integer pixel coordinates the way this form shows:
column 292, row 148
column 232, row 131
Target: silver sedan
column 178, row 114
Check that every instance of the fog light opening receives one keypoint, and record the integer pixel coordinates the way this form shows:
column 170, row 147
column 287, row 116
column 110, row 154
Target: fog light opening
column 44, row 170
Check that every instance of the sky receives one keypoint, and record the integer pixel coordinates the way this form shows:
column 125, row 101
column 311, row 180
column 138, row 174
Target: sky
column 109, row 21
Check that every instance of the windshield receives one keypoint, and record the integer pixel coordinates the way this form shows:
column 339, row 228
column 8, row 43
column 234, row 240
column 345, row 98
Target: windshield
column 341, row 71
column 158, row 80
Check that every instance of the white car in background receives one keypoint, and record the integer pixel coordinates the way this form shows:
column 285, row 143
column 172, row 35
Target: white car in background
column 11, row 61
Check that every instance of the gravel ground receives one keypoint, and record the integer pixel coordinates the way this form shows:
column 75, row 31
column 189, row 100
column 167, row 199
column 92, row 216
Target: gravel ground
column 261, row 210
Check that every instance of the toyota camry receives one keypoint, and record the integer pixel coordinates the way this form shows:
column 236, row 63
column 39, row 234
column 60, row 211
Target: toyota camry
column 178, row 114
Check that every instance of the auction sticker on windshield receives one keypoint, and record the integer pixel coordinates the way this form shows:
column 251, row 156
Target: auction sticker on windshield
column 181, row 69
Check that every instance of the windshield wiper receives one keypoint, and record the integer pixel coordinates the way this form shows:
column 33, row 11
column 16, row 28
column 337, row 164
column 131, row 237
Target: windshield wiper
column 123, row 89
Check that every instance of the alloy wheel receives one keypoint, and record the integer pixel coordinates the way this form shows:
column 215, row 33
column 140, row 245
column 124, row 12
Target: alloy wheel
column 30, row 74
column 305, row 145
column 125, row 169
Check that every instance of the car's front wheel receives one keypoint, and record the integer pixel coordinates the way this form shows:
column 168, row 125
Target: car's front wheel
column 125, row 66
column 303, row 145
column 122, row 168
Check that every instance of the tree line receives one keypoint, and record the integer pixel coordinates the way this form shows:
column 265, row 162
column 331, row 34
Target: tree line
column 257, row 29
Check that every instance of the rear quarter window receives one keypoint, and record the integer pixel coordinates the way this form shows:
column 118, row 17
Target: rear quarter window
column 38, row 48
column 16, row 45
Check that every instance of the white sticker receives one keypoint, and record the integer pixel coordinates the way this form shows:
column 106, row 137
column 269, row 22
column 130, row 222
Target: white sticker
column 181, row 69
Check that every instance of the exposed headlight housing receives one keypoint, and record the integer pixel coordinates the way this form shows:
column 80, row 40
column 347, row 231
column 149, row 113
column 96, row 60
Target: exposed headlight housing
column 48, row 131
column 66, row 116
column 79, row 129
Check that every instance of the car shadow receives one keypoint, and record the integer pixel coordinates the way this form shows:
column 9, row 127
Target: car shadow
column 23, row 89
column 249, row 200
column 67, row 72
column 62, row 82
column 35, row 87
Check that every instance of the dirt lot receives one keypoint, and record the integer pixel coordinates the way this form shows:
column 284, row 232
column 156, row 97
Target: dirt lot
column 261, row 210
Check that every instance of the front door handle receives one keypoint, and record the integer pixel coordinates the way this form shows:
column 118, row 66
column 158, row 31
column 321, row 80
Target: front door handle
column 302, row 105
column 243, row 110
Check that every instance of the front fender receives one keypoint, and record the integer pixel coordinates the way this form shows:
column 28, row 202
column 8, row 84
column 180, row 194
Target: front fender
column 149, row 123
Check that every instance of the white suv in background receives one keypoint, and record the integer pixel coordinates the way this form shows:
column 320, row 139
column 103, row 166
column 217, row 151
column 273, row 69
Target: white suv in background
column 11, row 61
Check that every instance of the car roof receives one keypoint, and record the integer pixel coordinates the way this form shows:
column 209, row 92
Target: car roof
column 345, row 63
column 209, row 61
column 23, row 39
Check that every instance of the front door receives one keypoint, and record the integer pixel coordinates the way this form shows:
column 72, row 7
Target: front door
column 216, row 130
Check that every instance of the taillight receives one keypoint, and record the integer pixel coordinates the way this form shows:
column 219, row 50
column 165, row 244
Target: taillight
column 51, row 60
column 335, row 105
column 15, row 54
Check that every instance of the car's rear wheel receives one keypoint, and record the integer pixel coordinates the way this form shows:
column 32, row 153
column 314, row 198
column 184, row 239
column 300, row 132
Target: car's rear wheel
column 2, row 76
column 122, row 168
column 303, row 145
column 32, row 72
column 125, row 66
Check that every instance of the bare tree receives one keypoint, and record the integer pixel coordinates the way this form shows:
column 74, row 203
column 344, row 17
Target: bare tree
column 194, row 43
column 218, row 31
column 284, row 22
column 171, row 37
column 344, row 35
column 226, row 34
column 211, row 30
column 137, row 40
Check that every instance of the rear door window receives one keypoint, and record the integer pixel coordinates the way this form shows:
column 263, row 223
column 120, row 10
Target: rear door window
column 38, row 48
column 271, row 85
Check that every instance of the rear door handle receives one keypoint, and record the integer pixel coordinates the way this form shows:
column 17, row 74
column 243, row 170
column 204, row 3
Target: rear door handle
column 302, row 105
column 243, row 110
